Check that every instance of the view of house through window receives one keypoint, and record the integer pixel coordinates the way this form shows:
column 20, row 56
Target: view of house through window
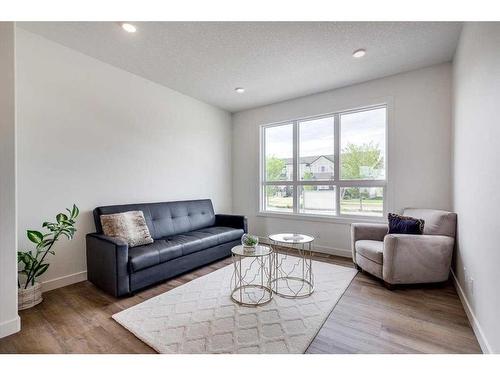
column 332, row 165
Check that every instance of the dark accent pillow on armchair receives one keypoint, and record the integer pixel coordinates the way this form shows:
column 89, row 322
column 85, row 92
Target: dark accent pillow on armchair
column 405, row 224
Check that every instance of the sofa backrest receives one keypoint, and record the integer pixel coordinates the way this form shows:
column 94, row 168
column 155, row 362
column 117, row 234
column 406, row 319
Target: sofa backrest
column 166, row 218
column 437, row 222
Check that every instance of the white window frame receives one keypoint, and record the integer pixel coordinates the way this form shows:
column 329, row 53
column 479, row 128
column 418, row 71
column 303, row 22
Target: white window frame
column 336, row 181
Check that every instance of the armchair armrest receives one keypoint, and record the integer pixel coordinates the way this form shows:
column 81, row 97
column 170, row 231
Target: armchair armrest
column 232, row 221
column 107, row 260
column 412, row 259
column 366, row 231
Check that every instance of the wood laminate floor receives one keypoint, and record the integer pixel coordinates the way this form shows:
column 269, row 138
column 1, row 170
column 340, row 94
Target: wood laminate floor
column 367, row 319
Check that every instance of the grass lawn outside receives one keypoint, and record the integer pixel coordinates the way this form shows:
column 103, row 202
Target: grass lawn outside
column 369, row 207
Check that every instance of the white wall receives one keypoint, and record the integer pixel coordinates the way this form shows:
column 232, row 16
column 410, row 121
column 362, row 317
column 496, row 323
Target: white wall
column 93, row 134
column 419, row 147
column 476, row 182
column 9, row 320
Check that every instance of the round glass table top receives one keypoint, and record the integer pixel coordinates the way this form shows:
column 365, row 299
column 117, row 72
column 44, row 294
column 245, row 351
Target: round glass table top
column 259, row 251
column 292, row 238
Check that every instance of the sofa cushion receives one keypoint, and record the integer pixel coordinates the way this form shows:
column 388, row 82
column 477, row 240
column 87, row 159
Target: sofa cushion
column 207, row 239
column 169, row 252
column 224, row 234
column 369, row 266
column 372, row 250
column 198, row 240
column 142, row 257
column 189, row 244
column 168, row 248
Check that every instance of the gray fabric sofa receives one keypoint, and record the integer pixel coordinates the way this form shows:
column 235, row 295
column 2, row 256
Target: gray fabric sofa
column 405, row 258
column 187, row 234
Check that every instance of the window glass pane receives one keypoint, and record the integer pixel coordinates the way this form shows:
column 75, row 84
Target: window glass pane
column 279, row 152
column 316, row 148
column 362, row 201
column 279, row 198
column 362, row 149
column 317, row 199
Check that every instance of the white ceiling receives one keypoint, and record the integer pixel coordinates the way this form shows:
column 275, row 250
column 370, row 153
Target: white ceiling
column 273, row 61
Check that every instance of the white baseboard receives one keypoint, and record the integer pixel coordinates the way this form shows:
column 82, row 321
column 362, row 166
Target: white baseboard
column 59, row 282
column 333, row 251
column 10, row 327
column 320, row 249
column 476, row 327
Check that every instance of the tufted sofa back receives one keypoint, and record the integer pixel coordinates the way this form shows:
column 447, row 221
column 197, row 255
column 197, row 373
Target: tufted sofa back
column 166, row 218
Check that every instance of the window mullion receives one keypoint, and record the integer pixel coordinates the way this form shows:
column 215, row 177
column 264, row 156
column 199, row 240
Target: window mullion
column 295, row 174
column 336, row 159
column 262, row 169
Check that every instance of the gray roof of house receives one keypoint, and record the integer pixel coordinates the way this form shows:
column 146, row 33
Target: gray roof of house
column 309, row 159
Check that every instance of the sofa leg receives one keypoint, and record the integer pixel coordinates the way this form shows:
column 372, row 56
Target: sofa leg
column 389, row 286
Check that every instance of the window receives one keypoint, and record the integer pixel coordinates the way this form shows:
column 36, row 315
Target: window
column 332, row 165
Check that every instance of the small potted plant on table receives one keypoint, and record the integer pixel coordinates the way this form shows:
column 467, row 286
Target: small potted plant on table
column 249, row 242
column 33, row 263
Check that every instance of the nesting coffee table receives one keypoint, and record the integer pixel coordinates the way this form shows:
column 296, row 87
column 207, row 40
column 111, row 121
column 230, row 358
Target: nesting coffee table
column 292, row 279
column 252, row 275
column 284, row 269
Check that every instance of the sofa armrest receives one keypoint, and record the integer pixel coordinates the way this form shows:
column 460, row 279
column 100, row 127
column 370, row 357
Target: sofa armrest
column 410, row 259
column 366, row 231
column 107, row 260
column 232, row 221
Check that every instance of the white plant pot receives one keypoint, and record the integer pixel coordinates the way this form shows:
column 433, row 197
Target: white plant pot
column 29, row 297
column 249, row 249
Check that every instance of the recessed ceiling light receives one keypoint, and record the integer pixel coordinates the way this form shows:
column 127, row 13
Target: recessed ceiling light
column 239, row 90
column 128, row 27
column 359, row 53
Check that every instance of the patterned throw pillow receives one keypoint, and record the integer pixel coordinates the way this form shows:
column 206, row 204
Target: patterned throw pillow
column 131, row 226
column 405, row 224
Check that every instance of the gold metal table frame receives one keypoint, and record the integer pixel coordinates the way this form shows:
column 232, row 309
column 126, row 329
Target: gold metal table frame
column 297, row 280
column 251, row 280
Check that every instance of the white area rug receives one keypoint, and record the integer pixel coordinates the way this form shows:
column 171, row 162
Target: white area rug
column 199, row 316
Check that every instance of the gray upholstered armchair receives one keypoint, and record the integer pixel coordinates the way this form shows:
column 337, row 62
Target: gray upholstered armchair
column 406, row 258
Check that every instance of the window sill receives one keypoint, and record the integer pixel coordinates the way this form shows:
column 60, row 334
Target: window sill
column 347, row 220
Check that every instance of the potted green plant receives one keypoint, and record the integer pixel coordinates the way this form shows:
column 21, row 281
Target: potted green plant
column 33, row 263
column 249, row 242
